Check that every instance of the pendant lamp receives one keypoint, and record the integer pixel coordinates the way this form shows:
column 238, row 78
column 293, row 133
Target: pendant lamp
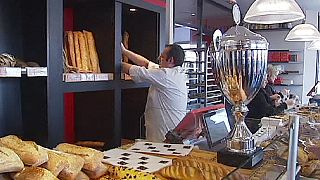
column 273, row 11
column 314, row 45
column 303, row 32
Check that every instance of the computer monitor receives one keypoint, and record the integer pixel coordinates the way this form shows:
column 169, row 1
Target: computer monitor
column 216, row 126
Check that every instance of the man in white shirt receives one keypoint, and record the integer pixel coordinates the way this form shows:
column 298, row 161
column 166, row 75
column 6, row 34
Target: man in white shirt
column 167, row 97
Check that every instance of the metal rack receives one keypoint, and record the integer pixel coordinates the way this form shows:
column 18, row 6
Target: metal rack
column 202, row 88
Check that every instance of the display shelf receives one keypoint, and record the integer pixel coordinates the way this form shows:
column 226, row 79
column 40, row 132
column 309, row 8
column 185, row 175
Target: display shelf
column 88, row 86
column 132, row 85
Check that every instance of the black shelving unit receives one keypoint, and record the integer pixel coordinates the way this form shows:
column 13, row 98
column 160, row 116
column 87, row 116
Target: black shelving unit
column 34, row 108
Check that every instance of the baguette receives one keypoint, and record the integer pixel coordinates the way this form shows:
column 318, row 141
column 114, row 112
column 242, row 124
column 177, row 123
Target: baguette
column 56, row 163
column 92, row 52
column 92, row 158
column 77, row 50
column 9, row 161
column 125, row 40
column 86, row 49
column 70, row 49
column 83, row 52
column 29, row 152
column 34, row 173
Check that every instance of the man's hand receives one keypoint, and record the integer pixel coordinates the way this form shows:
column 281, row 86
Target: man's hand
column 275, row 97
column 125, row 67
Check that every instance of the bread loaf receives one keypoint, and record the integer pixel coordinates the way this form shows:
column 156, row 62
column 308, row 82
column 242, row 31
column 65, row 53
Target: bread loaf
column 74, row 166
column 9, row 161
column 92, row 158
column 29, row 152
column 34, row 173
column 56, row 163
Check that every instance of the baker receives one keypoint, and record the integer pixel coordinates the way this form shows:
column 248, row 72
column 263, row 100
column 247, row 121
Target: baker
column 167, row 97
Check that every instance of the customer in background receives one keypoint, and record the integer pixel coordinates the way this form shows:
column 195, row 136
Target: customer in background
column 272, row 73
column 167, row 97
column 261, row 106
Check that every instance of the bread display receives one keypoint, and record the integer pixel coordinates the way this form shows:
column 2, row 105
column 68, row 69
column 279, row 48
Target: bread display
column 56, row 163
column 29, row 152
column 80, row 51
column 92, row 158
column 9, row 161
column 74, row 166
column 34, row 173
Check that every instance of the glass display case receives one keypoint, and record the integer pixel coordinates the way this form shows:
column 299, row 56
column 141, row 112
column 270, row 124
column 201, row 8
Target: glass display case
column 276, row 149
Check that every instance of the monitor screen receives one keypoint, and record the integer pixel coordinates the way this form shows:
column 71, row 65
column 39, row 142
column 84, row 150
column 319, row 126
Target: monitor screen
column 217, row 126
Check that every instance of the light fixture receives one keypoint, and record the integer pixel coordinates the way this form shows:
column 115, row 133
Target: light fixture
column 273, row 11
column 193, row 14
column 303, row 32
column 133, row 10
column 314, row 45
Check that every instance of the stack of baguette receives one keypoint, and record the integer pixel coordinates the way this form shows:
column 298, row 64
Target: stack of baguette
column 80, row 51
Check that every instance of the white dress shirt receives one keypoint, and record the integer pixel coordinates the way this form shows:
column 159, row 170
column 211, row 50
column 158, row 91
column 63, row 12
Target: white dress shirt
column 167, row 98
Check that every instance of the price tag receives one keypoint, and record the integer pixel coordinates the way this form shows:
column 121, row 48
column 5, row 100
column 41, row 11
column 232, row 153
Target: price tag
column 36, row 71
column 103, row 77
column 87, row 77
column 10, row 72
column 72, row 77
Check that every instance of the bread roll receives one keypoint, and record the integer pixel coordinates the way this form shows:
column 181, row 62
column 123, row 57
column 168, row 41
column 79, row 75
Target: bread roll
column 29, row 152
column 9, row 161
column 92, row 158
column 100, row 171
column 34, row 173
column 83, row 52
column 77, row 50
column 82, row 176
column 56, row 162
column 74, row 166
column 70, row 49
column 92, row 52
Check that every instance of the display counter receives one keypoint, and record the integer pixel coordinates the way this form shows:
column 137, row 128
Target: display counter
column 149, row 160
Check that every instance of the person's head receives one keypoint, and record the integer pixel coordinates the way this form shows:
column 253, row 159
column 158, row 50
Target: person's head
column 272, row 73
column 173, row 55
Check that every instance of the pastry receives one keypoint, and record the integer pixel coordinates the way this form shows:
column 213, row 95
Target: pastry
column 118, row 172
column 9, row 161
column 98, row 172
column 82, row 176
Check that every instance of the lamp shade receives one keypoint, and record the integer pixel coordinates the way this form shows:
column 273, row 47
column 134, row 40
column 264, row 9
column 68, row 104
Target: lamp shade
column 273, row 11
column 314, row 45
column 303, row 32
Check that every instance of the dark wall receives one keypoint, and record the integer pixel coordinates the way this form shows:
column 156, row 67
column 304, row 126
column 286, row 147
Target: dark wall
column 10, row 42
